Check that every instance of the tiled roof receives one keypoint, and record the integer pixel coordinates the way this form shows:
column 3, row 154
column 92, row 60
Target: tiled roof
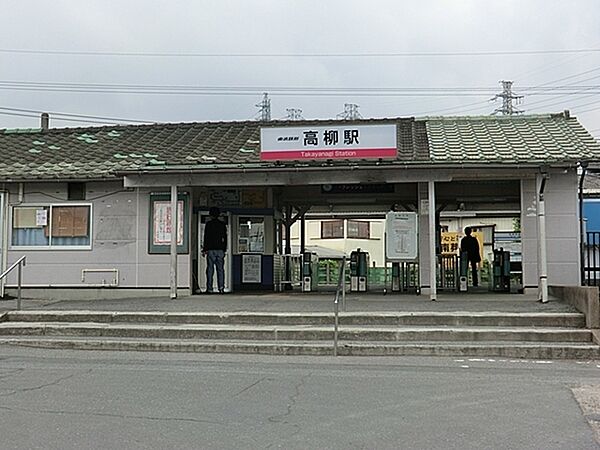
column 509, row 139
column 105, row 152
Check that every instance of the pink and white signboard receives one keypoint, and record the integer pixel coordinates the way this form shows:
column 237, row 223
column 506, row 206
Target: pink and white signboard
column 343, row 141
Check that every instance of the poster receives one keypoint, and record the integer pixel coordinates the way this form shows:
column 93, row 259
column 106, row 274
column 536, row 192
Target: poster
column 401, row 236
column 251, row 268
column 162, row 223
column 41, row 217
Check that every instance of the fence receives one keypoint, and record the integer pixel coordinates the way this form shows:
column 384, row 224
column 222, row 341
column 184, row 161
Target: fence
column 591, row 259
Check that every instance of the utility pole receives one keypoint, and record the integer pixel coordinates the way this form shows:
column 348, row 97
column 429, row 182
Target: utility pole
column 350, row 112
column 507, row 97
column 294, row 114
column 264, row 108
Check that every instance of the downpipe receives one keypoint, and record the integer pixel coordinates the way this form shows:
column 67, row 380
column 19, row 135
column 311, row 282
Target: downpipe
column 582, row 240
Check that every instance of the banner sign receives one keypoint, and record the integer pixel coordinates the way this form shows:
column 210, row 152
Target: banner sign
column 343, row 141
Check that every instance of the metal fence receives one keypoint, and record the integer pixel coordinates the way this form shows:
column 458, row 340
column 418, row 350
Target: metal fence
column 591, row 259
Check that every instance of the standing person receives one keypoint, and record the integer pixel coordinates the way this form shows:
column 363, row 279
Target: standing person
column 213, row 247
column 470, row 245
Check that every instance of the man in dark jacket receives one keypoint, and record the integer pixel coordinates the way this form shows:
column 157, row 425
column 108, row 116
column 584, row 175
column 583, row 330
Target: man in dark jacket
column 470, row 245
column 213, row 247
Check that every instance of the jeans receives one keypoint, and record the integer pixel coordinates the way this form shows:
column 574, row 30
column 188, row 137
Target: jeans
column 215, row 258
column 474, row 273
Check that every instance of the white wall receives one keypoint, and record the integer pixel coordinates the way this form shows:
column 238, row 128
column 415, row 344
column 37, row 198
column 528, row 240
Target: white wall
column 374, row 246
column 562, row 230
column 119, row 240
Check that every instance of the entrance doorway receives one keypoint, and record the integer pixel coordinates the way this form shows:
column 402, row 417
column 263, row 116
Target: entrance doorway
column 204, row 217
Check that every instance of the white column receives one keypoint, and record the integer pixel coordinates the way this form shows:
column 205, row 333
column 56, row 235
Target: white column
column 542, row 257
column 174, row 229
column 432, row 234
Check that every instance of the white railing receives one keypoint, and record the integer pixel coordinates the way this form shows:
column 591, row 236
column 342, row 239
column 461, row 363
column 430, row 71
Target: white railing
column 341, row 289
column 20, row 263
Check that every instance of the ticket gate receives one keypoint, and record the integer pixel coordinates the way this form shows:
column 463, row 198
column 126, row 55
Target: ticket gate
column 359, row 270
column 396, row 286
column 501, row 271
column 310, row 265
column 463, row 272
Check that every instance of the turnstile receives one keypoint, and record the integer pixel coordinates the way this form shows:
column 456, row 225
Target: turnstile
column 359, row 269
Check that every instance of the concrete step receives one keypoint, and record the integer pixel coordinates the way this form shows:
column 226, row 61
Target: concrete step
column 556, row 350
column 297, row 332
column 576, row 320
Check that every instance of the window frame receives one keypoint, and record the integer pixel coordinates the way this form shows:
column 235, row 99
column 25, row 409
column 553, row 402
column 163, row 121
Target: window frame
column 239, row 243
column 50, row 207
column 339, row 221
column 363, row 223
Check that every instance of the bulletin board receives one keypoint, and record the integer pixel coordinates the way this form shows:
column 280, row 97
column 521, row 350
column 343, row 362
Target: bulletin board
column 159, row 231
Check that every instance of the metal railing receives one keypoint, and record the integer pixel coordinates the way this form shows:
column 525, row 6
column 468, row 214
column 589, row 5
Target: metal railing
column 341, row 286
column 591, row 259
column 287, row 270
column 20, row 263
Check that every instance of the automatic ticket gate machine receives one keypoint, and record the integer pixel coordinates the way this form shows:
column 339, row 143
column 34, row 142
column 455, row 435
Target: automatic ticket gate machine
column 310, row 265
column 501, row 271
column 359, row 270
column 463, row 269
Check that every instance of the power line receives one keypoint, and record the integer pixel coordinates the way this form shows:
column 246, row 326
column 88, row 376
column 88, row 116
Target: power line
column 85, row 116
column 287, row 91
column 56, row 118
column 462, row 110
column 75, row 85
column 295, row 55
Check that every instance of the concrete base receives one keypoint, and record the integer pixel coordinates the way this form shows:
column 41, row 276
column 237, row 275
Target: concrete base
column 584, row 298
column 95, row 293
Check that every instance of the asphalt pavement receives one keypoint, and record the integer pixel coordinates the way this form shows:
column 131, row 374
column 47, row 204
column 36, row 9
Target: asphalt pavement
column 54, row 399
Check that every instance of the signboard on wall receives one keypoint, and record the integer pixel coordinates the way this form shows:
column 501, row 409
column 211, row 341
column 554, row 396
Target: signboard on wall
column 401, row 236
column 251, row 268
column 450, row 242
column 336, row 141
column 161, row 223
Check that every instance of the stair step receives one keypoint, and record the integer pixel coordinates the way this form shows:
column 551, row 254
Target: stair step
column 297, row 332
column 555, row 350
column 345, row 318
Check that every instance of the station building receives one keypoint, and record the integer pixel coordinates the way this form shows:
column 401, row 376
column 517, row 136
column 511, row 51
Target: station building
column 91, row 208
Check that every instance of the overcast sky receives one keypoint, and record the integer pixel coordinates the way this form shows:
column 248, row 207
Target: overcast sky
column 294, row 37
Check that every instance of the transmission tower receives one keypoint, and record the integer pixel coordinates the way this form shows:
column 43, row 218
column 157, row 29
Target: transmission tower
column 294, row 114
column 350, row 112
column 507, row 97
column 264, row 111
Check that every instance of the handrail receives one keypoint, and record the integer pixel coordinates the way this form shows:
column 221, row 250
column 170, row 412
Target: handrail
column 341, row 285
column 20, row 263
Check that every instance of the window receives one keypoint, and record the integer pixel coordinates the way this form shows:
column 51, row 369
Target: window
column 76, row 191
column 51, row 226
column 251, row 234
column 358, row 229
column 332, row 229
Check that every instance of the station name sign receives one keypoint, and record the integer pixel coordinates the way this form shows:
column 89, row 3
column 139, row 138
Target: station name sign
column 343, row 141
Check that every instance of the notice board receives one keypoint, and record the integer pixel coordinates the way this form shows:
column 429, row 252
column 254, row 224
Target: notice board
column 401, row 236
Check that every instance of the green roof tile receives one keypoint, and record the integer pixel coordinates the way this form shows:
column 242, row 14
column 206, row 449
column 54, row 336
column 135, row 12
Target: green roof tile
column 94, row 152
